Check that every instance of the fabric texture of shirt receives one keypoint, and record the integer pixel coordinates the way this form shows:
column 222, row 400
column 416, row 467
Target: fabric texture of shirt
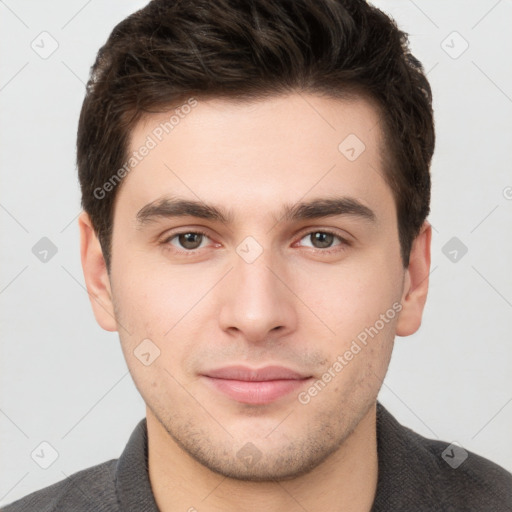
column 414, row 476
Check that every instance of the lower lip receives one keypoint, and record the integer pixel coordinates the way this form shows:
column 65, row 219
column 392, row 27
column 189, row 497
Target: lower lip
column 257, row 392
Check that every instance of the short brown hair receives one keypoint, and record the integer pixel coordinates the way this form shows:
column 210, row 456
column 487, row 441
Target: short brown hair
column 248, row 50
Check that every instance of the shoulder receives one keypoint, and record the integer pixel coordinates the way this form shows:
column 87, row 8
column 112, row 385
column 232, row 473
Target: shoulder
column 468, row 479
column 428, row 474
column 91, row 489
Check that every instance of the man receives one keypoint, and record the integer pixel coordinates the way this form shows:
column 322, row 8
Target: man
column 255, row 184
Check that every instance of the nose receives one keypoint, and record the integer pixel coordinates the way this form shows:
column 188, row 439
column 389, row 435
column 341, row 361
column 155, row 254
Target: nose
column 257, row 303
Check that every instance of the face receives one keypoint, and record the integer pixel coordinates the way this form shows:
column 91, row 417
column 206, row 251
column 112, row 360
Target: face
column 256, row 279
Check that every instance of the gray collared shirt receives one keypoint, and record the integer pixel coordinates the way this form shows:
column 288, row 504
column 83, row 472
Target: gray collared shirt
column 414, row 476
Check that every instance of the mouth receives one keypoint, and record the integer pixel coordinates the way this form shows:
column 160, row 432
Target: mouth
column 255, row 386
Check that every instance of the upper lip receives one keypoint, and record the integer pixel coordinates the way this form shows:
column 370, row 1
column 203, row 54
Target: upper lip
column 255, row 374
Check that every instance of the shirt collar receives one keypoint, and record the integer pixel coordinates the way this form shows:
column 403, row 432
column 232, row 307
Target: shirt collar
column 405, row 469
column 133, row 486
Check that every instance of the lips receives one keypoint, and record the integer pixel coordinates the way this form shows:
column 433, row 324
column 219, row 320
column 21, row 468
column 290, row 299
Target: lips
column 255, row 386
column 261, row 374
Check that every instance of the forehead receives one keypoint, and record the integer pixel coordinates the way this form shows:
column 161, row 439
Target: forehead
column 254, row 156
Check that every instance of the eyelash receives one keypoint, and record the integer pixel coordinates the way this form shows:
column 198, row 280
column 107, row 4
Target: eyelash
column 192, row 252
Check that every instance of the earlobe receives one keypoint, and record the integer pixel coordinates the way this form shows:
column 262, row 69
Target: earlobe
column 416, row 279
column 96, row 276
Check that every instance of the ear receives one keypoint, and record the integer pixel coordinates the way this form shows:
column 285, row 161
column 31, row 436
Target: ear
column 415, row 289
column 96, row 276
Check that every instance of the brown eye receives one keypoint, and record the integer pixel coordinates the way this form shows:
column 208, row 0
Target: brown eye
column 190, row 240
column 322, row 239
column 187, row 240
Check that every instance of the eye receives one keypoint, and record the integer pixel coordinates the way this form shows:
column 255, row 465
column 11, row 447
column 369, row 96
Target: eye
column 323, row 239
column 190, row 241
column 187, row 240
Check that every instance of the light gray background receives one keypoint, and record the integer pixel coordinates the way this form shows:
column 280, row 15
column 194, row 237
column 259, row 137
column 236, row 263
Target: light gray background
column 64, row 380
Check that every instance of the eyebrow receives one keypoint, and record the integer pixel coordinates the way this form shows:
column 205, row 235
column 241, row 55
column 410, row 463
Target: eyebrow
column 168, row 207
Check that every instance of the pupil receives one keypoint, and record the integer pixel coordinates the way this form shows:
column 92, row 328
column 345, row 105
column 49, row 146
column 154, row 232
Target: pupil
column 324, row 239
column 189, row 240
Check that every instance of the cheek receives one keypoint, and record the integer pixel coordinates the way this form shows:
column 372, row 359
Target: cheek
column 149, row 308
column 150, row 298
column 169, row 306
column 353, row 295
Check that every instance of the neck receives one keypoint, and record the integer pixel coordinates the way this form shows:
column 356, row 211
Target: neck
column 346, row 481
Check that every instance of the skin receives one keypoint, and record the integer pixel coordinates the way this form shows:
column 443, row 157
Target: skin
column 300, row 304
